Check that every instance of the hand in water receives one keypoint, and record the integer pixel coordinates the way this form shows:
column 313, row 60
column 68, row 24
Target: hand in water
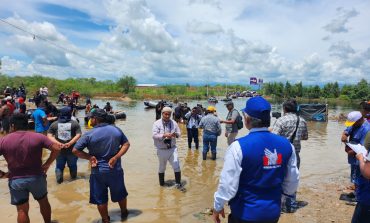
column 93, row 161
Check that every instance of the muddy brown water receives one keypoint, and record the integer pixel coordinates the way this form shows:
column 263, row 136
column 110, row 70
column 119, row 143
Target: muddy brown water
column 323, row 170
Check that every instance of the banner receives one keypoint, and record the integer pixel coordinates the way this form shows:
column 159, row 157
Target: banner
column 253, row 81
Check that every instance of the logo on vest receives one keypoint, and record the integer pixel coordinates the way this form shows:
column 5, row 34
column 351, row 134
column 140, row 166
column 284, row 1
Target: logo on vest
column 272, row 160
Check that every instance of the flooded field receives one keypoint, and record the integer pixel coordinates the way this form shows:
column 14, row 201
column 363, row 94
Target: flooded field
column 324, row 173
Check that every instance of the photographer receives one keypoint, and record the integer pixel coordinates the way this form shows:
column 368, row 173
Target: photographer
column 165, row 132
column 192, row 124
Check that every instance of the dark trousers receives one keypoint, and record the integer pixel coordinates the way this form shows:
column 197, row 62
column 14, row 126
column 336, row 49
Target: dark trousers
column 193, row 134
column 61, row 161
column 231, row 219
column 361, row 214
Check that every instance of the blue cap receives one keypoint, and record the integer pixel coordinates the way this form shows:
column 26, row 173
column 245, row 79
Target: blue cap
column 65, row 114
column 258, row 107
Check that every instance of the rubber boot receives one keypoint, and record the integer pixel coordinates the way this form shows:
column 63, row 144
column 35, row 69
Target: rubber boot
column 161, row 179
column 73, row 174
column 213, row 156
column 59, row 176
column 204, row 156
column 178, row 178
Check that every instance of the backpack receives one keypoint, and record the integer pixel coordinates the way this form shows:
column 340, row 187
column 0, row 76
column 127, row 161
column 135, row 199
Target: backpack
column 239, row 122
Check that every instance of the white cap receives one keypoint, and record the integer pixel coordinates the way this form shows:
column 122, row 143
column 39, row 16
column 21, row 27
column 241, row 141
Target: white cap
column 352, row 118
column 167, row 109
column 8, row 98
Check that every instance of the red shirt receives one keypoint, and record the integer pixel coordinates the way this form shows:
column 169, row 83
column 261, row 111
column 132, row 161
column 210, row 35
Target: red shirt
column 23, row 152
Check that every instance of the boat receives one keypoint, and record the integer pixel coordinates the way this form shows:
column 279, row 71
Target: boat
column 111, row 117
column 80, row 107
column 226, row 99
column 120, row 115
column 150, row 104
column 212, row 100
column 153, row 104
column 168, row 104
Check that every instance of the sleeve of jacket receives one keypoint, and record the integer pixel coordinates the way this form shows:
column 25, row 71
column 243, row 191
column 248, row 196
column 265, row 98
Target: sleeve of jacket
column 291, row 179
column 156, row 131
column 230, row 175
column 177, row 129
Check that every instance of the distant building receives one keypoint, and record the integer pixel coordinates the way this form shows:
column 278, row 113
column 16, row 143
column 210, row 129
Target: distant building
column 146, row 85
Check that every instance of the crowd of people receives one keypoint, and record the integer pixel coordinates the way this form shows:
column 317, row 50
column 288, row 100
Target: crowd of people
column 13, row 102
column 68, row 99
column 259, row 179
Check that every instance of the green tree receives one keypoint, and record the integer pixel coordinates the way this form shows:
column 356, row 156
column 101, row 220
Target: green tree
column 288, row 90
column 362, row 90
column 127, row 83
column 336, row 90
column 299, row 89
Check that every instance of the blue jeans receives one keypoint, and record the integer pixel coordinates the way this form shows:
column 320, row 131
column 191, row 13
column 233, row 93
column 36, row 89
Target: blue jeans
column 62, row 159
column 209, row 140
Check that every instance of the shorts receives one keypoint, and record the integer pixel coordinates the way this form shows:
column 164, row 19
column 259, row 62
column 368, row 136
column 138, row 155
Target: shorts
column 21, row 187
column 99, row 184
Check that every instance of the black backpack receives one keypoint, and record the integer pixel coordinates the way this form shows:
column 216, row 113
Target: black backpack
column 239, row 121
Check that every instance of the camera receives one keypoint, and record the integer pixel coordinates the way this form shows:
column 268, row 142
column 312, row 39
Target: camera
column 276, row 115
column 168, row 142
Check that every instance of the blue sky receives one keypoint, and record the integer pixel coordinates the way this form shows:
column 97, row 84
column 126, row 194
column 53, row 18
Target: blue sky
column 188, row 41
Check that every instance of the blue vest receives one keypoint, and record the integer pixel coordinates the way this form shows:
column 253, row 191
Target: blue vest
column 264, row 164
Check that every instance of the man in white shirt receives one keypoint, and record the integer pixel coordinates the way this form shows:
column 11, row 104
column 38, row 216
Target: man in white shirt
column 258, row 169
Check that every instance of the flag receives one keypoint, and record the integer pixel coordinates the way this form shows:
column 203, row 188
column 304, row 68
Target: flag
column 260, row 81
column 253, row 81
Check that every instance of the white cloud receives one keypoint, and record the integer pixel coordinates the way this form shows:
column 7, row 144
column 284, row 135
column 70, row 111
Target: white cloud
column 341, row 49
column 194, row 41
column 338, row 25
column 195, row 26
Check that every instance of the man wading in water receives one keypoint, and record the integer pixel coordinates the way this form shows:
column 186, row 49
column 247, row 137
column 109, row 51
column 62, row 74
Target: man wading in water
column 165, row 132
column 106, row 144
column 23, row 153
column 66, row 131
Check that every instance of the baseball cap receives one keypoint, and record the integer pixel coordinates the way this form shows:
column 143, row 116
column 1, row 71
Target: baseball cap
column 8, row 98
column 229, row 103
column 166, row 109
column 353, row 117
column 257, row 107
column 211, row 108
column 98, row 112
column 65, row 114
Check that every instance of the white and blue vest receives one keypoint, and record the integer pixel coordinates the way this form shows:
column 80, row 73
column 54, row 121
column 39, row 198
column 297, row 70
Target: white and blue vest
column 264, row 164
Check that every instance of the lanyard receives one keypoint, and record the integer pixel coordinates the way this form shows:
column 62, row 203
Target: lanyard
column 164, row 126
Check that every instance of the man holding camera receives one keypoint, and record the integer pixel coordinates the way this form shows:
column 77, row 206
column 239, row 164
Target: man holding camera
column 165, row 132
column 192, row 124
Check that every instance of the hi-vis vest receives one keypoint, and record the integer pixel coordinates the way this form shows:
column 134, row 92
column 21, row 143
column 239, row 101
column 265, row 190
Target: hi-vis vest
column 264, row 164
